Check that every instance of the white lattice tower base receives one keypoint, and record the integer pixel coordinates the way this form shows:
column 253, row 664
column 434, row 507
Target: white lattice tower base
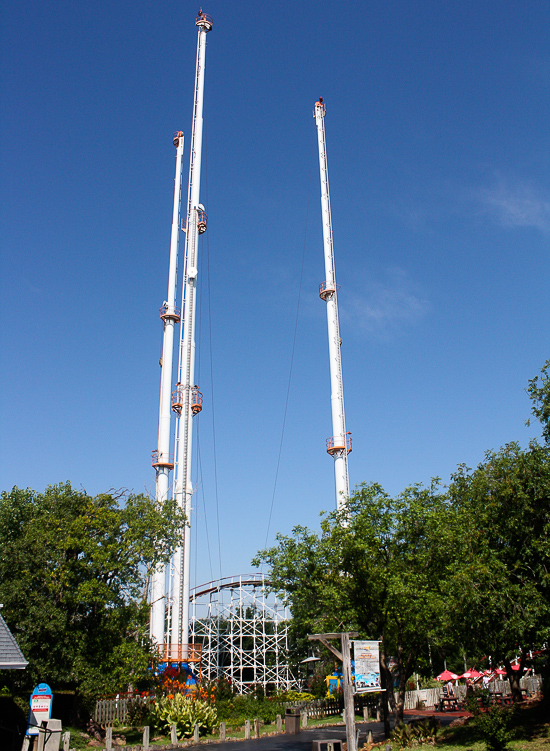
column 243, row 632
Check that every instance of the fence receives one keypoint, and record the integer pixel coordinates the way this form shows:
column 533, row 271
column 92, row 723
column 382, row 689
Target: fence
column 429, row 697
column 320, row 708
column 109, row 710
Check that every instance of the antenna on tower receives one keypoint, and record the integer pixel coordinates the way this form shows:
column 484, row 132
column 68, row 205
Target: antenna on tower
column 339, row 444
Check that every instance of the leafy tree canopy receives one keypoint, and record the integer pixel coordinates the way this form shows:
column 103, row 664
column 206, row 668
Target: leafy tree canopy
column 376, row 567
column 499, row 583
column 73, row 570
column 539, row 393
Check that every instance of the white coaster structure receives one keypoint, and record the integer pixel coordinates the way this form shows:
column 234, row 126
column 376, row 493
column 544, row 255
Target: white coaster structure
column 339, row 444
column 244, row 633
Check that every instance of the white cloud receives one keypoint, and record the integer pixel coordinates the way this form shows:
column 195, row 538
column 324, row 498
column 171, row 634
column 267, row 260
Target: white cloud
column 517, row 206
column 384, row 307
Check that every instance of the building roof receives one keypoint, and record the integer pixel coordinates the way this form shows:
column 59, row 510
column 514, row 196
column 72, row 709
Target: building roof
column 11, row 657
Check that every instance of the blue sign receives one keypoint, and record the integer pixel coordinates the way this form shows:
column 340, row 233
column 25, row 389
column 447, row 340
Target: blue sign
column 40, row 707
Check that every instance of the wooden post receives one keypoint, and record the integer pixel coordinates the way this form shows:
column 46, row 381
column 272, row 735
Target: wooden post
column 345, row 658
column 66, row 741
column 369, row 737
column 146, row 738
column 303, row 719
column 256, row 728
column 247, row 730
column 279, row 721
column 222, row 731
column 173, row 735
column 196, row 733
column 349, row 709
column 109, row 738
column 366, row 713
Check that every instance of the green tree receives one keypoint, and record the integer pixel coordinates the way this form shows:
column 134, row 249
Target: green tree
column 499, row 583
column 376, row 567
column 73, row 571
column 539, row 393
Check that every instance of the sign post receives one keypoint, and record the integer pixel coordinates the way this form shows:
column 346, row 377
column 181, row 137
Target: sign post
column 345, row 659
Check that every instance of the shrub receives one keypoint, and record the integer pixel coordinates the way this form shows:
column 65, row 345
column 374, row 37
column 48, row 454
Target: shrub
column 184, row 712
column 416, row 733
column 318, row 686
column 240, row 708
column 428, row 682
column 296, row 696
column 494, row 728
column 138, row 712
column 223, row 689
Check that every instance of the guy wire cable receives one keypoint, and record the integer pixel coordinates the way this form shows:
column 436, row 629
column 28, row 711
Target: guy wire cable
column 211, row 358
column 292, row 354
column 199, row 459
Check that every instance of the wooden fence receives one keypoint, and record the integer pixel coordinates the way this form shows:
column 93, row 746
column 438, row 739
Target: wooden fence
column 320, row 708
column 429, row 697
column 109, row 710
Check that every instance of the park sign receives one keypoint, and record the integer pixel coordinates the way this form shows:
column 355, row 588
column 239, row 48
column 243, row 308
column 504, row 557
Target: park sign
column 367, row 666
column 40, row 709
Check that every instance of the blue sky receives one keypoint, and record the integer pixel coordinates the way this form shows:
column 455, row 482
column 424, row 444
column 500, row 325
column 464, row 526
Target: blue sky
column 438, row 149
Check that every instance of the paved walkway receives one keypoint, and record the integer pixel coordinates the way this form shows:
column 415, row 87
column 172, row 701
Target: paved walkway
column 303, row 740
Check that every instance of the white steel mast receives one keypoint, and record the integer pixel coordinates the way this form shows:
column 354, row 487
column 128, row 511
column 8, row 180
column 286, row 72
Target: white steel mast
column 187, row 400
column 339, row 445
column 163, row 462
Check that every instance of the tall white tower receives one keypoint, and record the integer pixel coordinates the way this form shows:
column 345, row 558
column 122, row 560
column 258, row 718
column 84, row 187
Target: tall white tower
column 163, row 461
column 187, row 400
column 339, row 445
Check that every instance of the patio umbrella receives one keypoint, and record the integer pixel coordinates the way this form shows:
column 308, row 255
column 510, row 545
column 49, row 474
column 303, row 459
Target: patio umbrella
column 500, row 671
column 446, row 675
column 474, row 673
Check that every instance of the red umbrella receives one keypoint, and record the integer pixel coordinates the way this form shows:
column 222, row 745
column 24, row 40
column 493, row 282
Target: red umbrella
column 474, row 674
column 500, row 671
column 515, row 667
column 446, row 675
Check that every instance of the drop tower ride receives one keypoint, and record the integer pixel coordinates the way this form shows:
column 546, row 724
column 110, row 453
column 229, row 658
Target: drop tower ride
column 169, row 625
column 339, row 444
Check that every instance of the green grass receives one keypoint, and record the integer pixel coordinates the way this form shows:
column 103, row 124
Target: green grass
column 530, row 725
column 77, row 740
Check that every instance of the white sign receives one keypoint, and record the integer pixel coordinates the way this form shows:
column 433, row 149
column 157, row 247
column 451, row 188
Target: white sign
column 367, row 666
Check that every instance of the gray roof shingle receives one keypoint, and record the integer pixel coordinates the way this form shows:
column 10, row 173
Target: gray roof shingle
column 11, row 657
